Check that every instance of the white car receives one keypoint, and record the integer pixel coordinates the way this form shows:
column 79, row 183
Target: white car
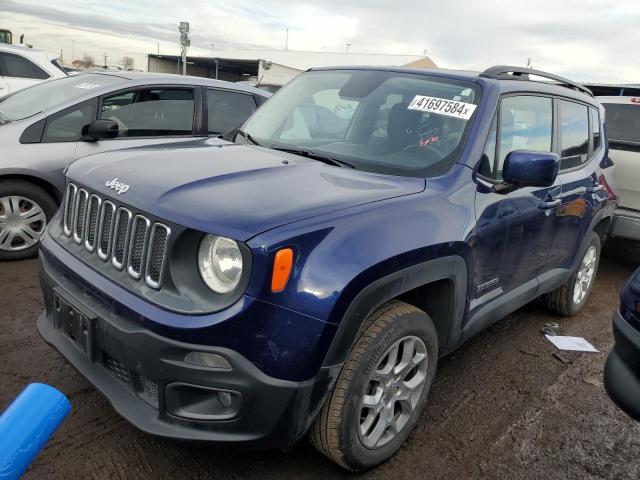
column 623, row 131
column 21, row 67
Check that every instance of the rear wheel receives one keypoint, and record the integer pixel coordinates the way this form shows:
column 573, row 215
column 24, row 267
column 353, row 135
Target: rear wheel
column 381, row 389
column 572, row 296
column 25, row 210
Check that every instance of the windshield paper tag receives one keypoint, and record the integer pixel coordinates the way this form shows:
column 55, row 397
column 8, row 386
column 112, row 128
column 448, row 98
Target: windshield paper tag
column 442, row 106
column 87, row 86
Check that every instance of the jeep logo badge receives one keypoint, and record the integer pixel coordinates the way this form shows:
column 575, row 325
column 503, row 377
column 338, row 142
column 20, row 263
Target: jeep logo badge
column 117, row 186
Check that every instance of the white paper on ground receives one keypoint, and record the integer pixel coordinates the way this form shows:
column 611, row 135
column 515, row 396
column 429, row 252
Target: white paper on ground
column 576, row 344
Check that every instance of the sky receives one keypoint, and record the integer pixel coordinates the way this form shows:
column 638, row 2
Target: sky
column 589, row 41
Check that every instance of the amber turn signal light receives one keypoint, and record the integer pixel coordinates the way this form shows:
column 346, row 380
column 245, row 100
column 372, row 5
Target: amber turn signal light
column 281, row 269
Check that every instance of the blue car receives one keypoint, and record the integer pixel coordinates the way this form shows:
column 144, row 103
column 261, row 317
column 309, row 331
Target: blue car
column 622, row 370
column 295, row 277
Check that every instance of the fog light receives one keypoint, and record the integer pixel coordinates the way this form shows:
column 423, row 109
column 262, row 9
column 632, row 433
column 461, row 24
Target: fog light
column 225, row 399
column 211, row 360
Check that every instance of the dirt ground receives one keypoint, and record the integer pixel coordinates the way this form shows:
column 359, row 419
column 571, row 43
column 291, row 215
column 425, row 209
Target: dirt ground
column 502, row 406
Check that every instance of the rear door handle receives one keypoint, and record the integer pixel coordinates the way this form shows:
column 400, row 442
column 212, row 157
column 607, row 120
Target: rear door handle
column 595, row 189
column 549, row 204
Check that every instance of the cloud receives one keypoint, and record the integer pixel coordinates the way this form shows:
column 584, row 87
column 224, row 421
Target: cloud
column 584, row 39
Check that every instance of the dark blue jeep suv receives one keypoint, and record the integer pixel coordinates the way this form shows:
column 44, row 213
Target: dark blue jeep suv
column 307, row 272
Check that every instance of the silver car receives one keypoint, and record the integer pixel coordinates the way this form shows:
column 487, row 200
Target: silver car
column 623, row 132
column 45, row 127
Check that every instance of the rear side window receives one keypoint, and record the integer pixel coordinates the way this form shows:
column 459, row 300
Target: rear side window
column 526, row 123
column 623, row 122
column 228, row 110
column 574, row 134
column 18, row 67
column 150, row 112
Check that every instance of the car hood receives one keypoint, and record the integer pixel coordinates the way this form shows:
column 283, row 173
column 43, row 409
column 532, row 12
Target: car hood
column 233, row 190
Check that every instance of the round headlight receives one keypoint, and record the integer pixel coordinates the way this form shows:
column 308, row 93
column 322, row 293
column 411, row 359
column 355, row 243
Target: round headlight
column 220, row 263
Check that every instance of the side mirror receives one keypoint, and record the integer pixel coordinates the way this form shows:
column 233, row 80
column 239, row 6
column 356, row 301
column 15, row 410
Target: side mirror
column 100, row 129
column 527, row 168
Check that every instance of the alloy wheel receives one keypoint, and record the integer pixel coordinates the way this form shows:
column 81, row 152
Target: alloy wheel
column 393, row 392
column 585, row 276
column 22, row 221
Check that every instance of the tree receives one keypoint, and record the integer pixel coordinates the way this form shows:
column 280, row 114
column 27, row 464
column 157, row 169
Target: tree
column 87, row 61
column 126, row 63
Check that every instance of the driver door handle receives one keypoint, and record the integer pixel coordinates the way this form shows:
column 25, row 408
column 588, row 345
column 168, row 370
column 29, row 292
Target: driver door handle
column 549, row 204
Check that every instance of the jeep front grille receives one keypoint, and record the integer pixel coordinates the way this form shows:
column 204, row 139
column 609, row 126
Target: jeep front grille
column 115, row 234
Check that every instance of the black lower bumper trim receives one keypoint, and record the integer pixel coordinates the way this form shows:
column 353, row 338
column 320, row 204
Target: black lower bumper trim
column 622, row 369
column 271, row 413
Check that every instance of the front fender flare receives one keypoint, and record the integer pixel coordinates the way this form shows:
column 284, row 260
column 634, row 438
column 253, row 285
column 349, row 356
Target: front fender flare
column 453, row 268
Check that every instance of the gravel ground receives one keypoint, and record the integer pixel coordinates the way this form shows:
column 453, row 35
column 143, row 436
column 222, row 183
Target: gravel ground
column 502, row 406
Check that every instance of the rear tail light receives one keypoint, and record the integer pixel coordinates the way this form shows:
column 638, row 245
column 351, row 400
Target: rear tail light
column 635, row 100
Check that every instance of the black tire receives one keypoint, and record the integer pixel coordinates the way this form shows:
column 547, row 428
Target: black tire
column 561, row 300
column 35, row 194
column 335, row 431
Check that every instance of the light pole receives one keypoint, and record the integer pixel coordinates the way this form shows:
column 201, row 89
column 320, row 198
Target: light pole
column 185, row 41
column 348, row 47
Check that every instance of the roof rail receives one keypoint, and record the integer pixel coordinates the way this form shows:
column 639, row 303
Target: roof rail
column 504, row 72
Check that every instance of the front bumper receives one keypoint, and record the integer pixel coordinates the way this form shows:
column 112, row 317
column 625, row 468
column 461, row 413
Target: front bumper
column 147, row 380
column 622, row 369
column 626, row 224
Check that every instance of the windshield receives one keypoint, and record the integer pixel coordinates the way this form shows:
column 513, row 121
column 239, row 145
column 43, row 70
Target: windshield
column 386, row 122
column 47, row 95
column 623, row 122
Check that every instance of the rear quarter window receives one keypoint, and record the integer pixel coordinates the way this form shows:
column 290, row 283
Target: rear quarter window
column 623, row 122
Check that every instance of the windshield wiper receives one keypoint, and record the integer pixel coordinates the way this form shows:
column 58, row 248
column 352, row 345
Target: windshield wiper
column 229, row 136
column 315, row 156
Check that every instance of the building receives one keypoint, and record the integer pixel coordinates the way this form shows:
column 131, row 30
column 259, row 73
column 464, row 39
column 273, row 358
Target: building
column 275, row 67
column 614, row 89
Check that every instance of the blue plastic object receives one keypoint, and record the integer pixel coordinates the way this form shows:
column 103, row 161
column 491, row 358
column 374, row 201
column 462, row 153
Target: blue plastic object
column 27, row 425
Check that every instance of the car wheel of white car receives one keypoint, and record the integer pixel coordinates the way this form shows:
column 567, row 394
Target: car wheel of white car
column 25, row 210
column 571, row 297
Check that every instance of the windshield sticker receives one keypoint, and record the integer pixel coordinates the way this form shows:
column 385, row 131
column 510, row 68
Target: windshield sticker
column 87, row 86
column 442, row 106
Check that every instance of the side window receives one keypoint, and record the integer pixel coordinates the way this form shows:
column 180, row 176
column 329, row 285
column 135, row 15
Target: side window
column 150, row 112
column 16, row 66
column 526, row 123
column 488, row 161
column 228, row 110
column 574, row 134
column 66, row 126
column 595, row 129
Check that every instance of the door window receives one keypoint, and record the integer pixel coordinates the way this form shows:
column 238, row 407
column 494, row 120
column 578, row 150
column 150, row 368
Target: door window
column 574, row 134
column 150, row 112
column 228, row 110
column 66, row 126
column 19, row 67
column 526, row 123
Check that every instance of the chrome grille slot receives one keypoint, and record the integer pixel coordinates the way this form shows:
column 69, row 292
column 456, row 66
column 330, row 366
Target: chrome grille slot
column 121, row 237
column 157, row 256
column 114, row 233
column 93, row 214
column 69, row 207
column 138, row 245
column 107, row 215
column 79, row 217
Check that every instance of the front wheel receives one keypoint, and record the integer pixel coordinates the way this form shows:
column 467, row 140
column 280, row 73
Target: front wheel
column 381, row 389
column 568, row 299
column 25, row 210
